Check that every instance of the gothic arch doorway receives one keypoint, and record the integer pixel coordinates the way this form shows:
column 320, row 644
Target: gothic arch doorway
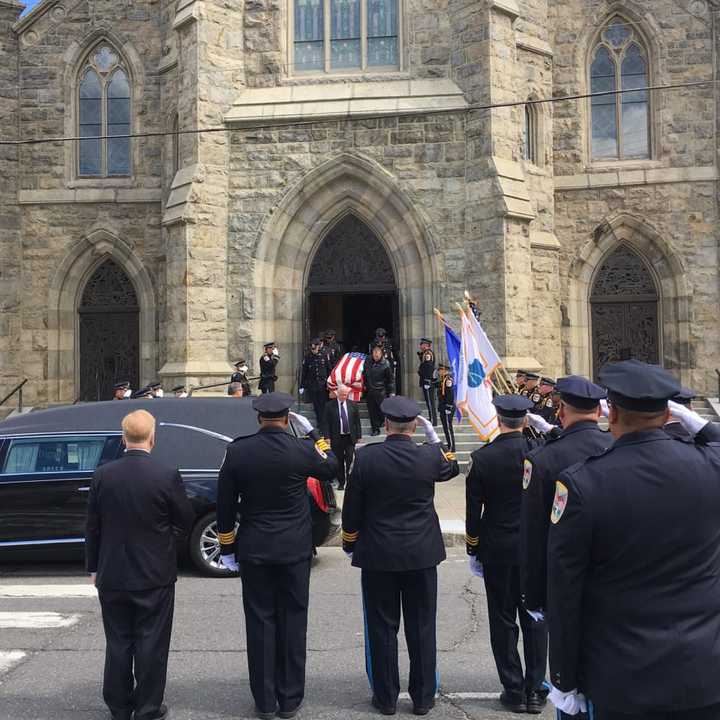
column 351, row 286
column 109, row 332
column 624, row 310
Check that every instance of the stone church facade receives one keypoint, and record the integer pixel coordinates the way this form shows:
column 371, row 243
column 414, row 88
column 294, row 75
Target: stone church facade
column 362, row 162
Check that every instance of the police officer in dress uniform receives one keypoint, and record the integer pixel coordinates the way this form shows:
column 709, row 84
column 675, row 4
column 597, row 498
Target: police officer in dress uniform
column 580, row 439
column 546, row 405
column 180, row 391
column 634, row 562
column 531, row 387
column 382, row 340
column 240, row 376
column 428, row 377
column 446, row 403
column 520, row 380
column 493, row 498
column 674, row 427
column 379, row 383
column 333, row 349
column 268, row 471
column 268, row 366
column 313, row 380
column 392, row 532
column 121, row 391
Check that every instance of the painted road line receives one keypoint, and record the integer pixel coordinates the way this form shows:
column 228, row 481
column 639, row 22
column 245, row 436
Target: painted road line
column 36, row 620
column 48, row 591
column 10, row 658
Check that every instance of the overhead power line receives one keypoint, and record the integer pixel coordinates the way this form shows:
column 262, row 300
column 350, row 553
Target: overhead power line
column 312, row 119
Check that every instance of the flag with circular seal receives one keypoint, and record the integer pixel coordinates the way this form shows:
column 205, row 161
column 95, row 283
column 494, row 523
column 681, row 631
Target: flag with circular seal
column 559, row 503
column 527, row 474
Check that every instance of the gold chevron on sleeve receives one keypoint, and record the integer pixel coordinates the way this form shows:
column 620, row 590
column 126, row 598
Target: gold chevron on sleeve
column 350, row 537
column 449, row 456
column 227, row 538
column 472, row 541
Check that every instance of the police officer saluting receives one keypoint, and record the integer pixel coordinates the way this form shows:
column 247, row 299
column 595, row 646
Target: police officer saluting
column 580, row 439
column 493, row 498
column 392, row 532
column 268, row 471
column 634, row 562
column 268, row 368
column 674, row 427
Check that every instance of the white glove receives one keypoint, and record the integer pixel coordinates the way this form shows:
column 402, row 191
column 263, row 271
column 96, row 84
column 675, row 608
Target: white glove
column 244, row 369
column 159, row 393
column 571, row 703
column 302, row 422
column 476, row 567
column 690, row 420
column 536, row 615
column 349, row 554
column 229, row 563
column 301, row 391
column 604, row 408
column 430, row 435
column 127, row 394
column 539, row 423
column 276, row 352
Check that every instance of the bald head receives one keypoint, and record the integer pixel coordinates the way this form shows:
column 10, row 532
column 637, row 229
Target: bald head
column 343, row 392
column 139, row 430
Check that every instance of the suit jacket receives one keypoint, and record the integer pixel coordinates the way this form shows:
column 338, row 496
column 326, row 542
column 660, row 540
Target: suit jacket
column 332, row 421
column 634, row 574
column 136, row 509
column 268, row 471
column 389, row 518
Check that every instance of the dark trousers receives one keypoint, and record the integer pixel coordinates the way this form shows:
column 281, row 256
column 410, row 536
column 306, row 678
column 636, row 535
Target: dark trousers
column 374, row 401
column 138, row 626
column 447, row 418
column 319, row 399
column 344, row 450
column 502, row 586
column 266, row 385
column 431, row 402
column 384, row 593
column 712, row 712
column 275, row 599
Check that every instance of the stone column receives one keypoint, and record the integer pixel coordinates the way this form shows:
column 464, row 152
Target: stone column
column 10, row 241
column 210, row 75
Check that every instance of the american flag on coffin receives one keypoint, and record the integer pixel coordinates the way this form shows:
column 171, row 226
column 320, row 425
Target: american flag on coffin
column 349, row 371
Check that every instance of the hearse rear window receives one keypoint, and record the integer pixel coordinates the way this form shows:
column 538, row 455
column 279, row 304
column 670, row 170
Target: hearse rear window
column 66, row 454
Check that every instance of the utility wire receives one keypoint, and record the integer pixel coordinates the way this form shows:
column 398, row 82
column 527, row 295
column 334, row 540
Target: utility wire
column 312, row 119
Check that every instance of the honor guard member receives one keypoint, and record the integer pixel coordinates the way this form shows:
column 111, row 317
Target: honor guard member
column 392, row 532
column 263, row 487
column 313, row 380
column 379, row 384
column 268, row 368
column 531, row 387
column 493, row 498
column 520, row 380
column 446, row 403
column 143, row 393
column 580, row 439
column 382, row 340
column 180, row 391
column 674, row 427
column 333, row 349
column 546, row 406
column 121, row 391
column 634, row 562
column 428, row 377
column 240, row 376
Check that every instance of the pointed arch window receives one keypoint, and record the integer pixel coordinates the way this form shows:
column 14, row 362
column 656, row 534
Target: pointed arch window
column 104, row 111
column 620, row 123
column 531, row 134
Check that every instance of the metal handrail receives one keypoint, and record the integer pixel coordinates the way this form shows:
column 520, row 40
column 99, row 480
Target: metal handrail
column 17, row 390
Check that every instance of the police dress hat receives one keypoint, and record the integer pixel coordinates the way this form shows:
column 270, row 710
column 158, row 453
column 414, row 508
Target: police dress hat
column 579, row 392
column 638, row 386
column 425, row 340
column 121, row 386
column 512, row 406
column 178, row 388
column 273, row 405
column 532, row 376
column 268, row 344
column 330, row 333
column 381, row 332
column 155, row 385
column 316, row 341
column 684, row 397
column 240, row 363
column 521, row 372
column 400, row 409
column 547, row 381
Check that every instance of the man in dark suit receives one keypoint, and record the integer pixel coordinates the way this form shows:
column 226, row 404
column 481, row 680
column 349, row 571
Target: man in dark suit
column 634, row 562
column 392, row 532
column 493, row 497
column 342, row 422
column 268, row 472
column 136, row 509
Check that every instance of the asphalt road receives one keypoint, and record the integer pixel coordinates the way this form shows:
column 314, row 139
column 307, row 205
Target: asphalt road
column 52, row 647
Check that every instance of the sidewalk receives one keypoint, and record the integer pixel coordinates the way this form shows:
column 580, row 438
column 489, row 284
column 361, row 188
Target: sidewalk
column 450, row 506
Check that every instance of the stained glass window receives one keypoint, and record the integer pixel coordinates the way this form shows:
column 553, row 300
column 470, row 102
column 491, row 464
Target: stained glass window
column 104, row 111
column 345, row 35
column 620, row 122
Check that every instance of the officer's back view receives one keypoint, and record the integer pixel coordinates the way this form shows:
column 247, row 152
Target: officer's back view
column 634, row 562
column 268, row 472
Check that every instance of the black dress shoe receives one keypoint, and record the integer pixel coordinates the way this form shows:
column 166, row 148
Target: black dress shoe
column 287, row 714
column 423, row 709
column 162, row 714
column 264, row 715
column 513, row 700
column 536, row 701
column 375, row 433
column 385, row 710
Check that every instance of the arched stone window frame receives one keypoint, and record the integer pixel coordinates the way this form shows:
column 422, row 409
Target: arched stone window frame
column 533, row 133
column 74, row 61
column 646, row 33
column 65, row 295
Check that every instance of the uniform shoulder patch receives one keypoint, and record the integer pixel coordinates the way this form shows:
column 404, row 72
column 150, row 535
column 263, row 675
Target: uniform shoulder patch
column 321, row 446
column 527, row 474
column 560, row 502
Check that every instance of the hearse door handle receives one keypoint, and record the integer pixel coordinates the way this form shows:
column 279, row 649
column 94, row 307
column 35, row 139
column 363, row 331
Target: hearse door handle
column 84, row 489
